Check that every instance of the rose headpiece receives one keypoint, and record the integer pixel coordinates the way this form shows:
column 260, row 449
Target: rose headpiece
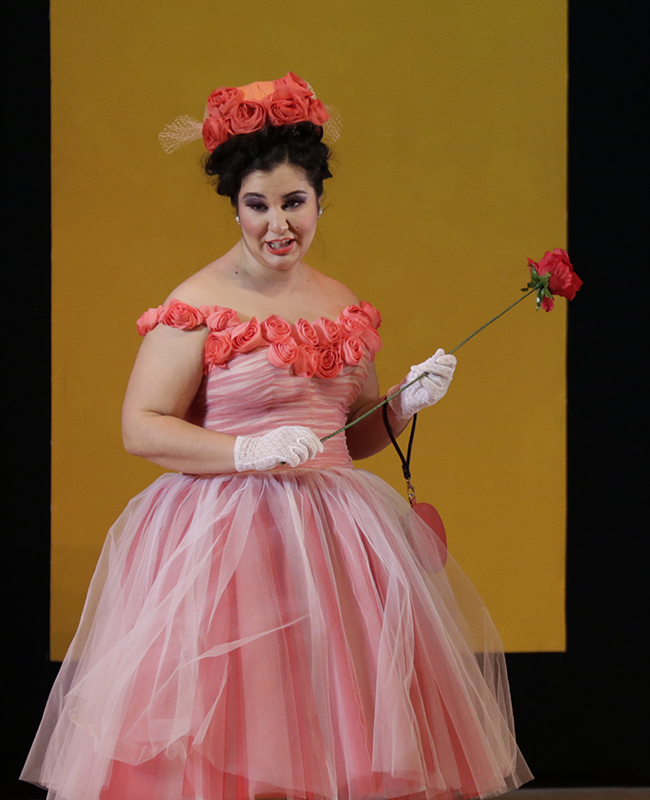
column 245, row 109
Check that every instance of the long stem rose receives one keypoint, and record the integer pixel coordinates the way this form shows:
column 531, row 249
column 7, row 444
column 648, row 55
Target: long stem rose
column 553, row 275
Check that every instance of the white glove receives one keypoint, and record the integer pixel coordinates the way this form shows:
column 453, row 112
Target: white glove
column 290, row 444
column 427, row 391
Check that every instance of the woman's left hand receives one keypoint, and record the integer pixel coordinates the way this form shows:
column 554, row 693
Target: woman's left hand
column 427, row 391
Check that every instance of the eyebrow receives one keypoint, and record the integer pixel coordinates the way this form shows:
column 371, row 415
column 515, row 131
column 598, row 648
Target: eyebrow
column 284, row 196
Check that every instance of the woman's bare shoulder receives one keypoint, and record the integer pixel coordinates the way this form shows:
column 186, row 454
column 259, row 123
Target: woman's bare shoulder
column 334, row 289
column 200, row 289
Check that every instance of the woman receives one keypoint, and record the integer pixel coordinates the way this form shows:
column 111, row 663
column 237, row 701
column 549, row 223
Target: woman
column 266, row 621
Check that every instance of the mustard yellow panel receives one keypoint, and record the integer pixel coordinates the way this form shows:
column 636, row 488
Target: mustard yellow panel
column 449, row 173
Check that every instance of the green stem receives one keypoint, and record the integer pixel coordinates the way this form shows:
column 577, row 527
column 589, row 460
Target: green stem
column 419, row 377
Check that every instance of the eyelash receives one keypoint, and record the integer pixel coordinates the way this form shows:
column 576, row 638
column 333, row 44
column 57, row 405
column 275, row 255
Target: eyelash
column 262, row 207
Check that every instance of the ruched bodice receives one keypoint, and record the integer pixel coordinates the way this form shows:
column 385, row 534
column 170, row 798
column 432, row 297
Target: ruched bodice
column 252, row 397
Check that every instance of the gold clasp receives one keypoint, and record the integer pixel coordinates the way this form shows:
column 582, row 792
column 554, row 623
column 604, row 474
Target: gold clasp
column 410, row 491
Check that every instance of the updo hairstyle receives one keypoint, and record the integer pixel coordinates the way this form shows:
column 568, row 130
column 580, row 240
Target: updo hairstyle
column 299, row 144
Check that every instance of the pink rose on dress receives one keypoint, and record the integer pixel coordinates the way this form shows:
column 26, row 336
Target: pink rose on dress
column 247, row 336
column 328, row 331
column 351, row 326
column 330, row 362
column 283, row 352
column 223, row 100
column 304, row 333
column 371, row 311
column 286, row 106
column 215, row 132
column 218, row 350
column 352, row 350
column 371, row 339
column 274, row 328
column 218, row 318
column 306, row 361
column 148, row 321
column 247, row 116
column 355, row 312
column 291, row 79
column 180, row 315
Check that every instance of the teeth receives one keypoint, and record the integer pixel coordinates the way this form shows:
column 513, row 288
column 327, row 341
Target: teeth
column 278, row 245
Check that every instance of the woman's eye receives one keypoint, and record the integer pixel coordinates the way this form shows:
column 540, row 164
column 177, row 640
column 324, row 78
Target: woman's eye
column 294, row 203
column 257, row 206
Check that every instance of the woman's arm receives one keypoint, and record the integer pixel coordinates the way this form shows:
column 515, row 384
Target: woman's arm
column 369, row 436
column 165, row 379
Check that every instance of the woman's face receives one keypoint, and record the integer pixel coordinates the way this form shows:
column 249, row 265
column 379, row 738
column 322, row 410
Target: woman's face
column 278, row 214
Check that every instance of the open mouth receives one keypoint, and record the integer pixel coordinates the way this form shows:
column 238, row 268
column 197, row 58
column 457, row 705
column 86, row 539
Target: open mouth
column 280, row 246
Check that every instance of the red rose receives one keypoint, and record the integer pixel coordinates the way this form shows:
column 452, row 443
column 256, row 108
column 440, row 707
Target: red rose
column 274, row 328
column 306, row 361
column 328, row 331
column 148, row 321
column 179, row 315
column 247, row 336
column 330, row 362
column 247, row 116
column 218, row 350
column 304, row 333
column 352, row 350
column 218, row 318
column 215, row 132
column 286, row 107
column 371, row 311
column 563, row 281
column 224, row 100
column 283, row 352
column 355, row 312
column 318, row 114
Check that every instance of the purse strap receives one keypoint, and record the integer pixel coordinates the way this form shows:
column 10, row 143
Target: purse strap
column 406, row 462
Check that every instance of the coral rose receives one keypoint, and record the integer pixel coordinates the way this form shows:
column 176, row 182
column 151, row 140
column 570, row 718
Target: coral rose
column 246, row 336
column 274, row 328
column 352, row 350
column 351, row 326
column 218, row 318
column 224, row 100
column 330, row 362
column 306, row 361
column 371, row 311
column 318, row 114
column 563, row 281
column 215, row 132
column 327, row 330
column 286, row 107
column 355, row 312
column 180, row 315
column 148, row 321
column 247, row 116
column 218, row 350
column 371, row 339
column 304, row 333
column 291, row 79
column 283, row 352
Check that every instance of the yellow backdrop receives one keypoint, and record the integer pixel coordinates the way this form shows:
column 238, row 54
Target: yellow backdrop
column 449, row 173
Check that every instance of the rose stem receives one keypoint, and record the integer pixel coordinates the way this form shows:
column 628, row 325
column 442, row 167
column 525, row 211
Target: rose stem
column 419, row 377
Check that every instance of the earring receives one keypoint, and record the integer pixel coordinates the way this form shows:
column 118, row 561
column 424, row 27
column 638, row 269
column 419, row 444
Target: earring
column 237, row 220
column 320, row 213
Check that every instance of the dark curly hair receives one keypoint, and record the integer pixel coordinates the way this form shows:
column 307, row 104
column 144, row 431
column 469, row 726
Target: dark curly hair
column 300, row 145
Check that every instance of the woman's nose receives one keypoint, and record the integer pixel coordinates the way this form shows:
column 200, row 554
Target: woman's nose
column 278, row 222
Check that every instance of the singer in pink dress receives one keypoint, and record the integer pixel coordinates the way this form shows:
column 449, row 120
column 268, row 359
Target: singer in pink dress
column 267, row 621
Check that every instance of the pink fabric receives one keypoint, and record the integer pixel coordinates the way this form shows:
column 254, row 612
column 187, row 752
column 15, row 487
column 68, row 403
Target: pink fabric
column 290, row 633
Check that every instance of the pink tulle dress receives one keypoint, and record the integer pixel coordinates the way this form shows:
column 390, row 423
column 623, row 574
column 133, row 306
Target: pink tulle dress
column 294, row 633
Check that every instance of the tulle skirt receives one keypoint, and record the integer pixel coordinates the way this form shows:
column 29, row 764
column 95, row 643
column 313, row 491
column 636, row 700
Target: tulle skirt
column 294, row 634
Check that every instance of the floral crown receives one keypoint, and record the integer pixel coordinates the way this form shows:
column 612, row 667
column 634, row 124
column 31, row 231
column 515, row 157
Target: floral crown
column 245, row 109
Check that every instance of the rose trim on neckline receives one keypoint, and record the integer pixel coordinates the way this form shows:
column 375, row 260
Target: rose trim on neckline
column 314, row 349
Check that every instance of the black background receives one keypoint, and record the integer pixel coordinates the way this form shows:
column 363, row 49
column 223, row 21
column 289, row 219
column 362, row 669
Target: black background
column 581, row 715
